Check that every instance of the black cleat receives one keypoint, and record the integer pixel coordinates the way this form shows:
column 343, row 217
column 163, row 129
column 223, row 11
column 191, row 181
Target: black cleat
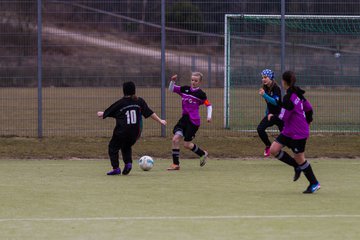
column 127, row 169
column 297, row 173
column 115, row 171
column 312, row 188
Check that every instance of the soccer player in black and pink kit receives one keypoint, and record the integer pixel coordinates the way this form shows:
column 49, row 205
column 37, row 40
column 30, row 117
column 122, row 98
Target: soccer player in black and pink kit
column 296, row 113
column 192, row 97
column 128, row 112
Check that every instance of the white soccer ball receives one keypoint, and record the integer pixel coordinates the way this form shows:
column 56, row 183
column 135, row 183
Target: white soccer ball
column 146, row 163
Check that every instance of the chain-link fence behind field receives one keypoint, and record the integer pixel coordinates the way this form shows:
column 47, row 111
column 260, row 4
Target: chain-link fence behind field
column 322, row 51
column 58, row 68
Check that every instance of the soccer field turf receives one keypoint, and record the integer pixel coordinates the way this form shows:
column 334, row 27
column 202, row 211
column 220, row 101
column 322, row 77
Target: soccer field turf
column 226, row 199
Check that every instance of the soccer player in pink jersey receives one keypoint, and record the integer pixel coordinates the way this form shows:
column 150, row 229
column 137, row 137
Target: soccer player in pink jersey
column 192, row 97
column 296, row 113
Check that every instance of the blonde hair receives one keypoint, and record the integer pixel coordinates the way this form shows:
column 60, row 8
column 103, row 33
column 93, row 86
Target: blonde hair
column 269, row 88
column 198, row 74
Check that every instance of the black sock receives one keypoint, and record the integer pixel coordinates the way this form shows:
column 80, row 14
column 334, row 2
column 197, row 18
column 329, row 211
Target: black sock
column 308, row 172
column 198, row 150
column 286, row 158
column 175, row 156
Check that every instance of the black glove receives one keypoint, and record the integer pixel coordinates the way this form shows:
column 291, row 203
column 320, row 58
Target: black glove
column 309, row 116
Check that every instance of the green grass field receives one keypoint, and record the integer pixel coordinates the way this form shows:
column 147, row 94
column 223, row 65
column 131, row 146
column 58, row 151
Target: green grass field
column 227, row 199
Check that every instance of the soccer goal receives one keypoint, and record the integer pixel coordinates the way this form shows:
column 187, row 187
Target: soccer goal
column 323, row 51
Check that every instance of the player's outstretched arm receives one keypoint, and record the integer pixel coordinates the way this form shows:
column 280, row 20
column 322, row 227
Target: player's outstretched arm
column 100, row 114
column 208, row 110
column 261, row 91
column 174, row 78
column 172, row 83
column 159, row 120
column 209, row 113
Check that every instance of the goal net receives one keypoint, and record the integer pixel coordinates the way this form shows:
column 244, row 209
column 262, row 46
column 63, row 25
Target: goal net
column 323, row 51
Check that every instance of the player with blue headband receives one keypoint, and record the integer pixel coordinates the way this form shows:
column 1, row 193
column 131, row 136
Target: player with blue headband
column 268, row 73
column 271, row 93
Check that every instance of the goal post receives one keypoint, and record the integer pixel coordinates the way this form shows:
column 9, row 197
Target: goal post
column 226, row 73
column 322, row 51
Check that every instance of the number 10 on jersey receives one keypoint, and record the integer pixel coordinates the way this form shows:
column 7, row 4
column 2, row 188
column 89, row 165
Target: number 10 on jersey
column 131, row 117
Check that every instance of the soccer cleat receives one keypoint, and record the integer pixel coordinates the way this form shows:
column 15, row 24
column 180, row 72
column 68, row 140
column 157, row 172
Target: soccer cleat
column 312, row 188
column 115, row 171
column 267, row 152
column 297, row 173
column 127, row 169
column 173, row 167
column 203, row 159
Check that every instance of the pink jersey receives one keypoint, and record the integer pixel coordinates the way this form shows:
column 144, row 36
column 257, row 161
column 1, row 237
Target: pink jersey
column 293, row 115
column 192, row 98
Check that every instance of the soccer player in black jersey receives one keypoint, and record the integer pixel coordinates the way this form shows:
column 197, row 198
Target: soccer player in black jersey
column 271, row 92
column 128, row 112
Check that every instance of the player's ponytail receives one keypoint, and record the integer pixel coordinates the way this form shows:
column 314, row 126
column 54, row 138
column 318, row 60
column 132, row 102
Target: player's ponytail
column 272, row 85
column 290, row 79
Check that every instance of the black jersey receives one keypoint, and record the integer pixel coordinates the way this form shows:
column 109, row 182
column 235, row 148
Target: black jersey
column 274, row 93
column 128, row 113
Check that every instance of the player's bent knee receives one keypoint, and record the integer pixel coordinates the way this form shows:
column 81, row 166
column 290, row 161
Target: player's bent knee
column 274, row 151
column 176, row 140
column 187, row 145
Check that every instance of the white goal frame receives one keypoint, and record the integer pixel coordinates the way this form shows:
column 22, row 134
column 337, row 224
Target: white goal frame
column 227, row 47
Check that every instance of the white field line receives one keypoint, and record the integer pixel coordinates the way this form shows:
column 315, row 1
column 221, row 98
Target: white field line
column 176, row 218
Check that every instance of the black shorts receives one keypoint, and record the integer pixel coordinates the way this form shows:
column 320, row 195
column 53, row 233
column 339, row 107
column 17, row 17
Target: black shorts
column 296, row 145
column 186, row 127
column 119, row 141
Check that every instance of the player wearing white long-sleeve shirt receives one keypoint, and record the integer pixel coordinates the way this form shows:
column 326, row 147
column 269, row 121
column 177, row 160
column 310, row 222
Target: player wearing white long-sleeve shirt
column 192, row 97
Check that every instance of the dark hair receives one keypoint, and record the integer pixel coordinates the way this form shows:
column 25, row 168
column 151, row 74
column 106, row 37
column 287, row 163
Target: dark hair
column 128, row 88
column 290, row 78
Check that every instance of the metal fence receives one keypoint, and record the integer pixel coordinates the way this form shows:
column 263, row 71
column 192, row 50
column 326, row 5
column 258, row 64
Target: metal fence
column 321, row 49
column 59, row 67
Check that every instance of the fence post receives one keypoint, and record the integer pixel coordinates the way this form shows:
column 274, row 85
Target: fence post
column 193, row 63
column 282, row 41
column 209, row 71
column 39, row 68
column 282, row 36
column 163, row 66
